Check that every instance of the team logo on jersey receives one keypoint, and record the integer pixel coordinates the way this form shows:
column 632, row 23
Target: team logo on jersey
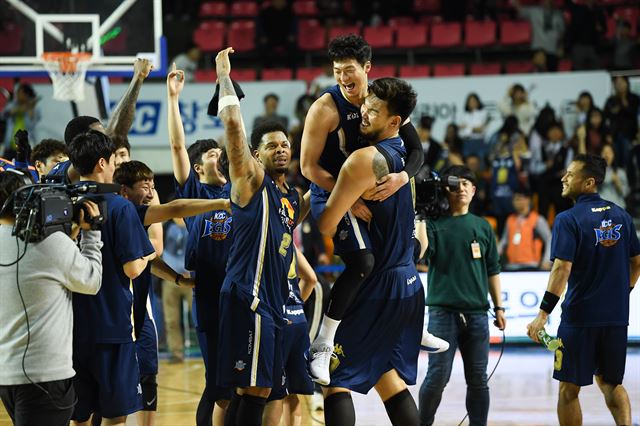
column 240, row 365
column 287, row 213
column 608, row 234
column 218, row 226
column 353, row 116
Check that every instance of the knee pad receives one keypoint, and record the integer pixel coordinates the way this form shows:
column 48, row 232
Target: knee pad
column 149, row 392
column 360, row 263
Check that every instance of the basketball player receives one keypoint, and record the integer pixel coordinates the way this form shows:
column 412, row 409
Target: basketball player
column 331, row 133
column 595, row 248
column 265, row 211
column 378, row 343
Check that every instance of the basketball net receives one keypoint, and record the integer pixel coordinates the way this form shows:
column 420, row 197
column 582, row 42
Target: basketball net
column 67, row 71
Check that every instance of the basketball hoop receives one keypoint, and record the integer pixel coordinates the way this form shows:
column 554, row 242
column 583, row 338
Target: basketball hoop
column 67, row 71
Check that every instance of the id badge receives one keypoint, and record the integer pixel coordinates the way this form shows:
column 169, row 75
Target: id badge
column 475, row 250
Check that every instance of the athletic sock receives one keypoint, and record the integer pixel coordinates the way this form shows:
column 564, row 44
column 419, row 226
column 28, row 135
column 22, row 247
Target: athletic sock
column 402, row 410
column 232, row 410
column 358, row 266
column 338, row 410
column 328, row 330
column 250, row 410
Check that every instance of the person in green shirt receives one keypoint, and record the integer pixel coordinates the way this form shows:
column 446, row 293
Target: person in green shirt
column 464, row 267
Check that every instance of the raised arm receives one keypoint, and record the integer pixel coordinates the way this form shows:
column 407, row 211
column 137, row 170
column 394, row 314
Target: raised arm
column 122, row 116
column 244, row 170
column 183, row 207
column 321, row 119
column 179, row 156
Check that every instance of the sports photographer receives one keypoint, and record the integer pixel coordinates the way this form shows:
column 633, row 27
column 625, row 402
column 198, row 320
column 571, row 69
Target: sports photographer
column 463, row 267
column 36, row 313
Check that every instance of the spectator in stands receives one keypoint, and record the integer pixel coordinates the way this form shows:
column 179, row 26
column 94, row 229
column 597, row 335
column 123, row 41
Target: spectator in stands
column 537, row 142
column 557, row 155
column 625, row 47
column 539, row 61
column 47, row 154
column 587, row 28
column 21, row 113
column 516, row 103
column 547, row 29
column 525, row 236
column 615, row 187
column 323, row 81
column 593, row 135
column 621, row 114
column 473, row 126
column 276, row 31
column 478, row 204
column 584, row 104
column 188, row 61
column 303, row 104
column 452, row 140
column 434, row 155
column 271, row 101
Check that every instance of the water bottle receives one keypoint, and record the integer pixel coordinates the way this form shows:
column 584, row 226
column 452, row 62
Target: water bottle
column 549, row 342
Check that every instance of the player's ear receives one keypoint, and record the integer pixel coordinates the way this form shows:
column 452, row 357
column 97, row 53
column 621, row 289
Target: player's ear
column 367, row 67
column 396, row 121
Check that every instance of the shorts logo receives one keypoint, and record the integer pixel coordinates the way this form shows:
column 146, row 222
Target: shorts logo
column 335, row 360
column 411, row 280
column 250, row 340
column 608, row 234
column 149, row 403
column 240, row 365
column 343, row 235
column 139, row 389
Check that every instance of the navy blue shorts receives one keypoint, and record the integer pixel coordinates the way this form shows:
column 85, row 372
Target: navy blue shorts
column 208, row 341
column 295, row 378
column 147, row 348
column 589, row 351
column 352, row 233
column 250, row 342
column 381, row 331
column 107, row 380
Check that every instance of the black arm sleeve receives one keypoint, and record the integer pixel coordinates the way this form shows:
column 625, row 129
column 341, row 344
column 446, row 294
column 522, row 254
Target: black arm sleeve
column 415, row 156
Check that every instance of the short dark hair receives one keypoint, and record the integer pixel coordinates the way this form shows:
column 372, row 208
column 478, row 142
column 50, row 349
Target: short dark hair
column 593, row 166
column 132, row 172
column 78, row 125
column 46, row 148
column 223, row 164
column 270, row 95
column 426, row 121
column 349, row 47
column 519, row 87
column 121, row 142
column 398, row 94
column 9, row 182
column 86, row 149
column 472, row 95
column 28, row 90
column 459, row 171
column 262, row 129
column 199, row 147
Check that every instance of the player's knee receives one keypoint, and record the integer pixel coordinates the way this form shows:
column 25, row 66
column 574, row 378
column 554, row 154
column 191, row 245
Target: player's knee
column 569, row 391
column 222, row 403
column 361, row 263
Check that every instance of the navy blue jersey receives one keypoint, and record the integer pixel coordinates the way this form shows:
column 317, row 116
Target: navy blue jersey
column 262, row 248
column 59, row 173
column 346, row 138
column 393, row 219
column 207, row 248
column 141, row 285
column 599, row 238
column 106, row 317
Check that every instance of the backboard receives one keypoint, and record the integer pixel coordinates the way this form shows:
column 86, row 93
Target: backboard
column 115, row 32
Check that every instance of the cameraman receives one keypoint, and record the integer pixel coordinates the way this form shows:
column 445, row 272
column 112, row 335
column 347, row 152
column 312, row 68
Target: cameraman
column 36, row 314
column 463, row 267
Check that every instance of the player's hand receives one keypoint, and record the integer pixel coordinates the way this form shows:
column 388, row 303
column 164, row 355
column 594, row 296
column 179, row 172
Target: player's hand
column 323, row 259
column 361, row 211
column 175, row 81
column 501, row 320
column 141, row 68
column 536, row 325
column 88, row 213
column 227, row 205
column 223, row 64
column 389, row 184
column 187, row 281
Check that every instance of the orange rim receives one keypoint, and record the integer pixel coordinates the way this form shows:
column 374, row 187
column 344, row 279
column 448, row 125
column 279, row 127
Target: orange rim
column 68, row 61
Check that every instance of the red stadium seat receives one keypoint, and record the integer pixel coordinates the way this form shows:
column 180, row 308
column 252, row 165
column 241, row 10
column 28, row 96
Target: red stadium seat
column 485, row 69
column 400, row 21
column 213, row 9
column 311, row 35
column 412, row 36
column 379, row 71
column 209, row 36
column 244, row 9
column 565, row 65
column 340, row 31
column 11, row 39
column 244, row 74
column 308, row 74
column 408, row 71
column 205, row 76
column 241, row 35
column 427, row 6
column 446, row 34
column 479, row 33
column 380, row 37
column 519, row 67
column 305, row 8
column 277, row 74
column 515, row 32
column 448, row 70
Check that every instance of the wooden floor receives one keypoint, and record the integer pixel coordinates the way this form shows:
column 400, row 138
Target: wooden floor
column 522, row 393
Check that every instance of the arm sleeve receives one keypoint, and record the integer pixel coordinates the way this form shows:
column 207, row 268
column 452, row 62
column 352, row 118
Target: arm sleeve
column 415, row 156
column 130, row 239
column 563, row 239
column 492, row 257
column 542, row 229
column 84, row 268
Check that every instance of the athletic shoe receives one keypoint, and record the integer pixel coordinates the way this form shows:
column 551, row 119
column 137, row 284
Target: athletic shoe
column 433, row 344
column 321, row 355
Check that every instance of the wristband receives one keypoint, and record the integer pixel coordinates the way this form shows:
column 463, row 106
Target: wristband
column 177, row 280
column 549, row 301
column 226, row 101
column 499, row 308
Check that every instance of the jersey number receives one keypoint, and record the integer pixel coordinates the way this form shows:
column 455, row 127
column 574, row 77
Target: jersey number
column 284, row 245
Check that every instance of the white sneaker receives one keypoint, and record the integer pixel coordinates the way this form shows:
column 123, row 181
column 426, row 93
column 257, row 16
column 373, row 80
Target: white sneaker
column 433, row 344
column 321, row 354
